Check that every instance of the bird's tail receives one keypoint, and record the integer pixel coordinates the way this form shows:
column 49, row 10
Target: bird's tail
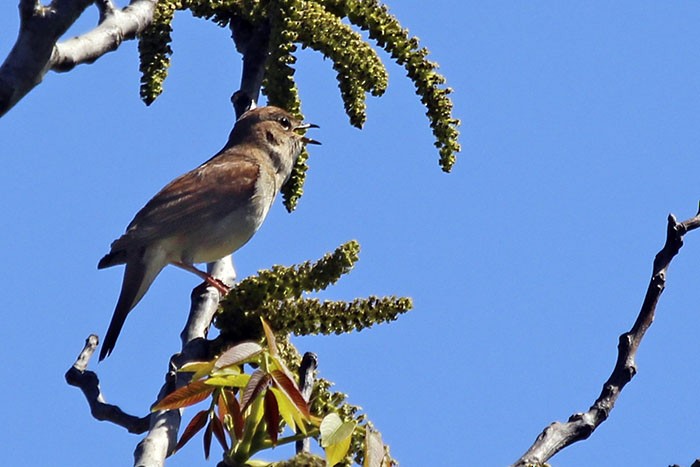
column 138, row 277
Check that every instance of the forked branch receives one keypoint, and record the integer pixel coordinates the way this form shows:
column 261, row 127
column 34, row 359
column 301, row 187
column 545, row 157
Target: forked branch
column 580, row 426
column 37, row 49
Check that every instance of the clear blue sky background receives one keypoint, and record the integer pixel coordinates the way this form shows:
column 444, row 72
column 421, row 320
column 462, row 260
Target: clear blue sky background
column 581, row 132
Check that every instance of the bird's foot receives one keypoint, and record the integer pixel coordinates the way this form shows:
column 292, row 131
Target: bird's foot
column 208, row 278
column 218, row 284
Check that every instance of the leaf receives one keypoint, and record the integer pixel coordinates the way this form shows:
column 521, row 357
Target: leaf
column 269, row 337
column 231, row 381
column 334, row 429
column 252, row 421
column 272, row 416
column 221, row 405
column 196, row 424
column 227, row 371
column 206, row 439
column 335, row 437
column 286, row 408
column 200, row 369
column 374, row 448
column 187, row 395
column 259, row 381
column 290, row 388
column 238, row 354
column 257, row 463
column 218, row 429
column 236, row 415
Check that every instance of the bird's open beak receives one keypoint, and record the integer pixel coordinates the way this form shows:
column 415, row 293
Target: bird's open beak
column 306, row 126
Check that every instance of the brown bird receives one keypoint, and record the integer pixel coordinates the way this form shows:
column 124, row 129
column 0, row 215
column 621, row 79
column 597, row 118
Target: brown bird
column 209, row 212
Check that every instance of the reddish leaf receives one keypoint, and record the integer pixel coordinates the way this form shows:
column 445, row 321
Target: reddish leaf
column 235, row 410
column 270, row 337
column 218, row 429
column 186, row 395
column 290, row 388
column 272, row 416
column 221, row 405
column 238, row 354
column 259, row 381
column 196, row 424
column 207, row 440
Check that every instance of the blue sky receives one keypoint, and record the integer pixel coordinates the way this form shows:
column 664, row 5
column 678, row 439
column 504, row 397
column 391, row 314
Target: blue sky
column 580, row 134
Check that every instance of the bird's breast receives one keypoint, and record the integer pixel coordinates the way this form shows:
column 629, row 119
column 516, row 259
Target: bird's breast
column 231, row 231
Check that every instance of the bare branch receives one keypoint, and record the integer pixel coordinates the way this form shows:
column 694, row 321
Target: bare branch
column 115, row 27
column 309, row 363
column 580, row 426
column 89, row 383
column 36, row 50
column 253, row 43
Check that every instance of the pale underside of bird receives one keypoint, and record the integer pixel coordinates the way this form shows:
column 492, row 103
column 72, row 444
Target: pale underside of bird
column 209, row 212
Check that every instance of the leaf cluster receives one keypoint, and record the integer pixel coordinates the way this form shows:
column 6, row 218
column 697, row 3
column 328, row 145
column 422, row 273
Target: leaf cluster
column 247, row 413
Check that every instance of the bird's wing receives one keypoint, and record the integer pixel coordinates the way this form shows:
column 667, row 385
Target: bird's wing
column 214, row 189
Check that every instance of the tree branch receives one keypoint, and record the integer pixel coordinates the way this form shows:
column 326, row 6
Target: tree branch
column 162, row 436
column 580, row 426
column 89, row 383
column 253, row 43
column 36, row 50
column 309, row 363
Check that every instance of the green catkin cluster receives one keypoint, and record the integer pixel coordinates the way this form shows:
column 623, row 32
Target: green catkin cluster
column 386, row 30
column 155, row 51
column 255, row 295
column 279, row 85
column 276, row 295
column 358, row 67
column 316, row 24
column 308, row 316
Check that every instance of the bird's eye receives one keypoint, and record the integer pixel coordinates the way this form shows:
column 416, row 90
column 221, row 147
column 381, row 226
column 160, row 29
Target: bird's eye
column 286, row 124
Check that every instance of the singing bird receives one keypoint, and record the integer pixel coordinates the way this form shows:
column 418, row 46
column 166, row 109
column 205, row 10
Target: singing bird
column 209, row 212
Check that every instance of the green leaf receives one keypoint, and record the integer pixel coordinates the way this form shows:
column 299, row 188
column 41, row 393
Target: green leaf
column 287, row 409
column 185, row 396
column 334, row 430
column 251, row 425
column 290, row 388
column 258, row 463
column 232, row 381
column 227, row 371
column 200, row 369
column 335, row 437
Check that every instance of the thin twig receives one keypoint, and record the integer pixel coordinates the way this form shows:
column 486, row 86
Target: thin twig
column 89, row 384
column 580, row 426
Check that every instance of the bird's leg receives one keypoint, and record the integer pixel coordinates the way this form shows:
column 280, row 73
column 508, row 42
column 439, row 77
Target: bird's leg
column 213, row 281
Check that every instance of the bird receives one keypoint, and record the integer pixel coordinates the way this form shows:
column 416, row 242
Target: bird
column 209, row 212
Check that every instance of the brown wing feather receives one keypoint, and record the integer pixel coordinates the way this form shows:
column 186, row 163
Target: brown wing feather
column 216, row 188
